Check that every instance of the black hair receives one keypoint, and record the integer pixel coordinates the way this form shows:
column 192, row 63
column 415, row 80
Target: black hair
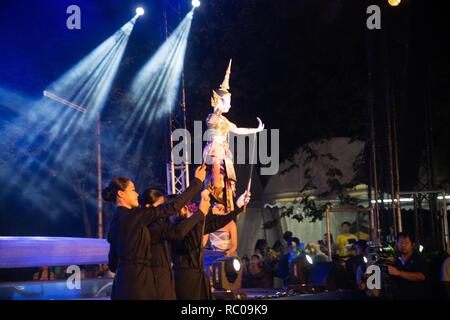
column 171, row 197
column 256, row 255
column 347, row 223
column 296, row 240
column 260, row 243
column 331, row 237
column 404, row 235
column 149, row 196
column 109, row 194
column 287, row 236
column 277, row 245
column 361, row 244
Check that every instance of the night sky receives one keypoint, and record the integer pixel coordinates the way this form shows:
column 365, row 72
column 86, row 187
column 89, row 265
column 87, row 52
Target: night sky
column 301, row 66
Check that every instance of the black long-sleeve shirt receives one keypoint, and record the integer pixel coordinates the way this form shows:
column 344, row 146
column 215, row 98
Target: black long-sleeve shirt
column 186, row 251
column 162, row 232
column 129, row 236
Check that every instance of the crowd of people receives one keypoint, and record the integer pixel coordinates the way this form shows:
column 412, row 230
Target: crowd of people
column 404, row 272
column 46, row 273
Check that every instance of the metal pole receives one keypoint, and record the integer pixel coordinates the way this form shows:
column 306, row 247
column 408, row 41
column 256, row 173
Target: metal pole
column 372, row 128
column 99, row 179
column 416, row 220
column 396, row 167
column 328, row 234
column 373, row 231
column 420, row 216
column 186, row 162
column 445, row 222
column 394, row 203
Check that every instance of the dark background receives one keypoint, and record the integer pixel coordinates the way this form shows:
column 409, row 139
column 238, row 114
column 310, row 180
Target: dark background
column 301, row 66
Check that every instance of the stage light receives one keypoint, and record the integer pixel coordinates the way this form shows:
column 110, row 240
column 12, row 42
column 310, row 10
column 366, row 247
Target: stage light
column 227, row 273
column 140, row 11
column 420, row 248
column 300, row 270
column 395, row 200
column 54, row 142
column 236, row 265
column 394, row 3
column 154, row 91
column 196, row 3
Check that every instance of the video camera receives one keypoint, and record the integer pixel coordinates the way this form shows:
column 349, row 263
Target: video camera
column 381, row 256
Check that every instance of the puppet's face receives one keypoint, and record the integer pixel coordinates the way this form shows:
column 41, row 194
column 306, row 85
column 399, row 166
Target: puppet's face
column 225, row 103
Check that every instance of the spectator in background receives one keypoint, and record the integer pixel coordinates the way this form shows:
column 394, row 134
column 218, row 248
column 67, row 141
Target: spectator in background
column 360, row 259
column 363, row 232
column 324, row 245
column 445, row 274
column 295, row 248
column 261, row 248
column 245, row 272
column 105, row 273
column 273, row 256
column 313, row 250
column 409, row 271
column 44, row 274
column 287, row 237
column 283, row 266
column 259, row 278
column 278, row 248
column 345, row 241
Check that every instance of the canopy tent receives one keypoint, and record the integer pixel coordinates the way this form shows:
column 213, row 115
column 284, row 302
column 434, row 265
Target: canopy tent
column 284, row 191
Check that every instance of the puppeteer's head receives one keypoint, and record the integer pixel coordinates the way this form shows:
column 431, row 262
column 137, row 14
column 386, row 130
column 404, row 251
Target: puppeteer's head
column 221, row 98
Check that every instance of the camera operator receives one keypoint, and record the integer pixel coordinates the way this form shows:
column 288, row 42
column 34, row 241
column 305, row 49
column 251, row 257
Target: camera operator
column 408, row 272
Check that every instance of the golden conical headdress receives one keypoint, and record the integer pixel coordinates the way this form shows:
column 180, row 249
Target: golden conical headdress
column 224, row 87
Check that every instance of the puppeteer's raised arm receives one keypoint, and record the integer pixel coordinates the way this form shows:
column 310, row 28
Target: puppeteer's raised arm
column 165, row 210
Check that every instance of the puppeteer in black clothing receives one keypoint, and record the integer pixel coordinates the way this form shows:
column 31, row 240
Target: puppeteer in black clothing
column 162, row 231
column 191, row 282
column 130, row 249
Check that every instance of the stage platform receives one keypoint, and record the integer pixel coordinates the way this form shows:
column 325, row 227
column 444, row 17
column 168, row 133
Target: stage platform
column 27, row 253
column 100, row 289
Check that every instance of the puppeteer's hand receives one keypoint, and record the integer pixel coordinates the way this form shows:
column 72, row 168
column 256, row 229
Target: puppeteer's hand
column 244, row 199
column 200, row 172
column 260, row 125
column 205, row 202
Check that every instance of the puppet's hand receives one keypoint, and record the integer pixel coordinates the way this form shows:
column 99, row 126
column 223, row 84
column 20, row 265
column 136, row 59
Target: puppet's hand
column 244, row 199
column 260, row 125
